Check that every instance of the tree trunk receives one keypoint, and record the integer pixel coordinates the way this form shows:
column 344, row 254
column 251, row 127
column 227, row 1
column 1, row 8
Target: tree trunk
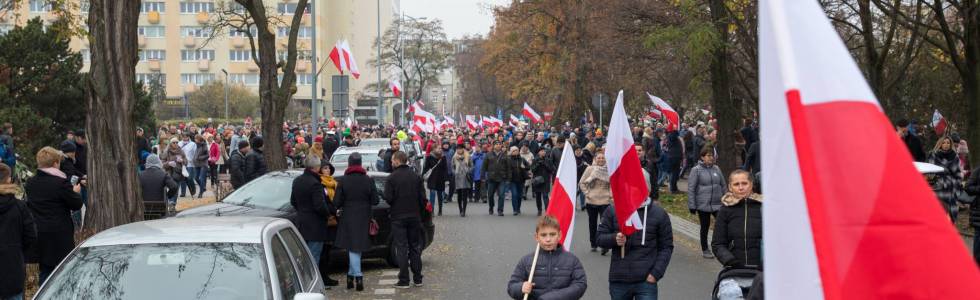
column 114, row 196
column 721, row 97
column 971, row 79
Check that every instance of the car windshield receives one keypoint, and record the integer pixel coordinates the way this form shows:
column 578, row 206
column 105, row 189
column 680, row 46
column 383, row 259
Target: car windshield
column 270, row 191
column 162, row 271
column 373, row 143
column 366, row 158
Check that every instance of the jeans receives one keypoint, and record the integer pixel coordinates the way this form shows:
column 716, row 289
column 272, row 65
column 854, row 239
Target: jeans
column 408, row 244
column 581, row 200
column 433, row 195
column 477, row 187
column 213, row 174
column 354, row 267
column 499, row 188
column 201, row 178
column 594, row 212
column 15, row 297
column 675, row 174
column 516, row 193
column 541, row 197
column 316, row 248
column 705, row 219
column 629, row 291
column 188, row 182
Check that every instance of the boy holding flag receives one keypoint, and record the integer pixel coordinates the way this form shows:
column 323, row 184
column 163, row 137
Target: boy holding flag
column 562, row 277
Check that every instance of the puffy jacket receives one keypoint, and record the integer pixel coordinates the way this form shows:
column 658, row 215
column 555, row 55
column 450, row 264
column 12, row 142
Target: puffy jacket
column 236, row 169
column 641, row 260
column 478, row 158
column 17, row 234
column 705, row 186
column 738, row 232
column 405, row 193
column 498, row 167
column 254, row 165
column 559, row 275
column 595, row 185
column 153, row 182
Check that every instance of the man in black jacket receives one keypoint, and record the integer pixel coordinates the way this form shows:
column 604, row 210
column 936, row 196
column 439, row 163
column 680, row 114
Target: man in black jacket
column 405, row 193
column 497, row 168
column 17, row 234
column 308, row 199
column 645, row 262
column 388, row 153
column 236, row 164
column 912, row 142
column 255, row 161
column 157, row 186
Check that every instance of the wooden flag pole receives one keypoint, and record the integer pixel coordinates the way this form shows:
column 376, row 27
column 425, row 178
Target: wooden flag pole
column 534, row 263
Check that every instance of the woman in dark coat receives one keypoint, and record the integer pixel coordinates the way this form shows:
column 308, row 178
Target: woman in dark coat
column 738, row 228
column 948, row 185
column 435, row 166
column 542, row 170
column 356, row 193
column 51, row 198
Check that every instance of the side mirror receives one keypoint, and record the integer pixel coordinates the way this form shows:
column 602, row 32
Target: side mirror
column 309, row 296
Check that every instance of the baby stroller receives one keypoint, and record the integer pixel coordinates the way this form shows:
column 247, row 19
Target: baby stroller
column 734, row 283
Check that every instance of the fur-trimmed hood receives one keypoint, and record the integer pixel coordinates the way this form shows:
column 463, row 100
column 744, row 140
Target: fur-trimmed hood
column 9, row 189
column 729, row 199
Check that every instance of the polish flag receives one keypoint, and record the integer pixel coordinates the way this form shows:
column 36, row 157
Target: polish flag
column 850, row 217
column 449, row 120
column 673, row 119
column 337, row 57
column 531, row 114
column 496, row 122
column 349, row 58
column 561, row 204
column 396, row 87
column 629, row 189
column 471, row 122
column 514, row 120
column 939, row 123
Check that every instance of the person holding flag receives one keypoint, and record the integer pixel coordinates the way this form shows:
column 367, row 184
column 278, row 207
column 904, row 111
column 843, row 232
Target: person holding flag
column 524, row 284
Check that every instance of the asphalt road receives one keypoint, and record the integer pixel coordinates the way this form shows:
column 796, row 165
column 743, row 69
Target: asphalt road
column 473, row 257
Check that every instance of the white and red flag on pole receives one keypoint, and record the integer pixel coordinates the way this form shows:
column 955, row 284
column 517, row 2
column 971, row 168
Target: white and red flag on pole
column 629, row 187
column 849, row 215
column 449, row 120
column 531, row 114
column 939, row 123
column 514, row 120
column 673, row 119
column 349, row 58
column 561, row 204
column 396, row 87
column 337, row 57
column 471, row 122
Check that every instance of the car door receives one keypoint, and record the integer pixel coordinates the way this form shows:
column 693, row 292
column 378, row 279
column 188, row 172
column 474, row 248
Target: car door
column 302, row 260
column 287, row 278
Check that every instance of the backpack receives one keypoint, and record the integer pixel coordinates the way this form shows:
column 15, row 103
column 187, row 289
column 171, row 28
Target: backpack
column 7, row 156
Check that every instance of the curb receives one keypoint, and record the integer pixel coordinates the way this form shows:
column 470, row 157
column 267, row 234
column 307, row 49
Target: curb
column 687, row 228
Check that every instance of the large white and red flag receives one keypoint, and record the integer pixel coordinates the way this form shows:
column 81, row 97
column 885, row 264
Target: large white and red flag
column 849, row 217
column 514, row 120
column 561, row 203
column 471, row 122
column 939, row 123
column 349, row 58
column 531, row 114
column 673, row 119
column 396, row 87
column 337, row 57
column 629, row 187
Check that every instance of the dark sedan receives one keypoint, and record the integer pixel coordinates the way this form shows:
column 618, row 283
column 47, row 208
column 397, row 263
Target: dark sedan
column 268, row 196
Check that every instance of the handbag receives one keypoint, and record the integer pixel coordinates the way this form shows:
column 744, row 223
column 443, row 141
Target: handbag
column 373, row 227
column 538, row 180
column 332, row 221
column 428, row 173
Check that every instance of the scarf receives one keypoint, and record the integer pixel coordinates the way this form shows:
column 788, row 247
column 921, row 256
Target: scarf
column 730, row 199
column 355, row 170
column 55, row 172
column 329, row 185
column 946, row 154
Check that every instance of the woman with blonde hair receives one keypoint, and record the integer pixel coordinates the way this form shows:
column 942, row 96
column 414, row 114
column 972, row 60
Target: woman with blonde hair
column 462, row 167
column 948, row 185
column 598, row 194
column 51, row 196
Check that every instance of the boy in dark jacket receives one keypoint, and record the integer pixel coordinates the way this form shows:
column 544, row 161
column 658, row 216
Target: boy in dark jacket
column 560, row 274
column 635, row 276
column 17, row 234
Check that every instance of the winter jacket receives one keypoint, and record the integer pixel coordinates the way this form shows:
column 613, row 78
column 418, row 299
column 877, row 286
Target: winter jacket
column 437, row 178
column 214, row 154
column 753, row 159
column 386, row 159
column 737, row 241
column 675, row 148
column 498, row 167
column 973, row 189
column 173, row 163
column 705, row 186
column 948, row 184
column 595, row 185
column 518, row 173
column 478, row 158
column 201, row 155
column 236, row 169
column 462, row 168
column 641, row 260
column 356, row 194
column 559, row 276
column 914, row 144
column 405, row 193
column 17, row 234
column 153, row 181
column 51, row 200
column 542, row 167
column 254, row 165
column 81, row 158
column 308, row 199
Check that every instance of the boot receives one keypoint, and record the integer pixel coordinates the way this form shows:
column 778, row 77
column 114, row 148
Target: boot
column 350, row 282
column 360, row 283
column 329, row 282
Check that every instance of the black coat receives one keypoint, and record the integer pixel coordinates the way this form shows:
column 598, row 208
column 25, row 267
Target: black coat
column 544, row 168
column 17, row 234
column 405, row 193
column 81, row 158
column 308, row 199
column 641, row 260
column 254, row 165
column 236, row 169
column 438, row 176
column 738, row 233
column 559, row 276
column 355, row 195
column 157, row 186
column 498, row 167
column 519, row 170
column 51, row 200
column 68, row 167
column 973, row 189
column 914, row 144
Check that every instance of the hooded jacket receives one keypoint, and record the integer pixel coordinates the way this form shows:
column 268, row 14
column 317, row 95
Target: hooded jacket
column 737, row 241
column 559, row 275
column 17, row 234
column 705, row 186
column 641, row 259
column 157, row 186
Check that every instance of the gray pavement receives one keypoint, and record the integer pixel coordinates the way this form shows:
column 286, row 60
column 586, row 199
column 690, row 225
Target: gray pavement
column 473, row 257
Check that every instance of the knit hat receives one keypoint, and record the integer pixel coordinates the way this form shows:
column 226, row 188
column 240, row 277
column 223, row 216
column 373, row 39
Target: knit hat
column 67, row 147
column 318, row 139
column 153, row 161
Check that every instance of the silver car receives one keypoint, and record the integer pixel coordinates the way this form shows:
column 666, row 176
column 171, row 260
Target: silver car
column 190, row 258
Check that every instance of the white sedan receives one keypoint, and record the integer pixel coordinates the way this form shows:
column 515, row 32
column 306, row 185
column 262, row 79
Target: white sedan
column 190, row 258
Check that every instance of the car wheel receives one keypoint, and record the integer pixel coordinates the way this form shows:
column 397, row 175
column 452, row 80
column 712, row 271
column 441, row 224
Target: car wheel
column 392, row 257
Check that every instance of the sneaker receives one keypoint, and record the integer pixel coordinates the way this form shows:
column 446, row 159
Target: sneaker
column 402, row 285
column 517, row 213
column 500, row 214
column 604, row 251
column 707, row 254
column 418, row 283
column 593, row 249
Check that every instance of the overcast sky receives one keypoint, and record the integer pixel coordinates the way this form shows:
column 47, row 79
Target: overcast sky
column 459, row 17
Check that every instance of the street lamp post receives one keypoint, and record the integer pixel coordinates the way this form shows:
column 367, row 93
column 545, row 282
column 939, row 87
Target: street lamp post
column 380, row 101
column 226, row 93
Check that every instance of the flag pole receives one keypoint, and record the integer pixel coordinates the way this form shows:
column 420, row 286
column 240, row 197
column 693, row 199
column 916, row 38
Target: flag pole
column 534, row 263
column 643, row 240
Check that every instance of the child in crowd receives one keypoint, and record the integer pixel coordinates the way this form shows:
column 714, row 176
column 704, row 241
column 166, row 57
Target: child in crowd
column 559, row 273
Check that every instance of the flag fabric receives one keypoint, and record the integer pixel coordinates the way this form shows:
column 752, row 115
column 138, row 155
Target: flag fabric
column 336, row 56
column 496, row 122
column 449, row 120
column 939, row 123
column 850, row 217
column 471, row 122
column 561, row 203
column 486, row 122
column 531, row 114
column 349, row 58
column 396, row 87
column 673, row 119
column 514, row 120
column 629, row 187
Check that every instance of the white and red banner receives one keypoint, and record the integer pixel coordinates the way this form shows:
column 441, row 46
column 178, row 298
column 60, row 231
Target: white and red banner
column 629, row 187
column 561, row 203
column 343, row 58
column 426, row 121
column 349, row 58
column 673, row 119
column 449, row 120
column 531, row 114
column 514, row 120
column 939, row 123
column 471, row 122
column 396, row 87
column 490, row 121
column 849, row 217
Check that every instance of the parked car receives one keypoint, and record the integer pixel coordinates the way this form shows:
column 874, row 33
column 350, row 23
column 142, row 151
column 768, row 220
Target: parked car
column 268, row 196
column 372, row 152
column 190, row 258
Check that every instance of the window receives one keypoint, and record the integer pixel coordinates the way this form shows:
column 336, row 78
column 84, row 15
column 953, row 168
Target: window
column 86, row 55
column 239, row 55
column 287, row 279
column 290, row 8
column 196, row 78
column 305, row 32
column 244, row 79
column 84, row 6
column 40, row 6
column 152, row 31
column 304, row 79
column 195, row 31
column 196, row 7
column 146, row 78
column 300, row 55
column 241, row 33
column 196, row 55
column 153, row 6
column 146, row 55
column 301, row 257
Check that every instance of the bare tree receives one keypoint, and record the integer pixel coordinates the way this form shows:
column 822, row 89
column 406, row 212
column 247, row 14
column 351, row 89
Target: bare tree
column 418, row 49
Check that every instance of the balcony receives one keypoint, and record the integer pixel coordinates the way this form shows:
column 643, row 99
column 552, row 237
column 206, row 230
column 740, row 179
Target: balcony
column 301, row 66
column 141, row 41
column 306, row 19
column 153, row 17
column 154, row 65
column 252, row 67
column 202, row 17
column 189, row 42
column 204, row 64
column 190, row 88
column 238, row 42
